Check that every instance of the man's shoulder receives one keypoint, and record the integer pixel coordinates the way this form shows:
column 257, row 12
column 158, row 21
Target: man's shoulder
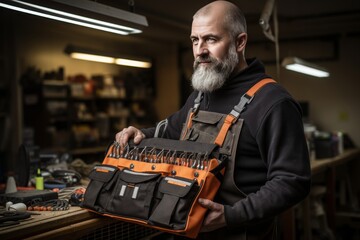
column 267, row 97
column 272, row 93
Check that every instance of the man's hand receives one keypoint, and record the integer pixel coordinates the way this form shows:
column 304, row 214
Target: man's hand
column 215, row 218
column 123, row 136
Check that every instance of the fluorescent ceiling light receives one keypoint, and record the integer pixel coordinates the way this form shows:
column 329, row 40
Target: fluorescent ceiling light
column 299, row 65
column 92, row 57
column 96, row 56
column 133, row 63
column 81, row 12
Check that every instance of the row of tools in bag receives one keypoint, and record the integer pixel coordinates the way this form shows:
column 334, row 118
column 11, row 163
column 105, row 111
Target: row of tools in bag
column 194, row 160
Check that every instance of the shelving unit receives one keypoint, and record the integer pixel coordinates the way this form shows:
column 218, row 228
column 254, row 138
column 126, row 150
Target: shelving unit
column 5, row 131
column 82, row 118
column 8, row 131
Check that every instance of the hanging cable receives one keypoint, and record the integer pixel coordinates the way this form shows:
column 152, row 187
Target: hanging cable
column 270, row 8
column 131, row 4
column 265, row 19
column 277, row 46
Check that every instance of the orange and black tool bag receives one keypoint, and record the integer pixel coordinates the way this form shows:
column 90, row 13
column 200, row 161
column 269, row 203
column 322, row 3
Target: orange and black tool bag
column 156, row 183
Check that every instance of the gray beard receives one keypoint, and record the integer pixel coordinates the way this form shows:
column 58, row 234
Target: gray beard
column 212, row 77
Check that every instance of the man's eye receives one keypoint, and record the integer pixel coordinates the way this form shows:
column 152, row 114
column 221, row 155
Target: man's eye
column 211, row 40
column 194, row 41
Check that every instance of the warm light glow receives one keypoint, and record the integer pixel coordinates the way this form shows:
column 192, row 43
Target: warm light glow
column 72, row 18
column 106, row 59
column 132, row 63
column 301, row 66
column 307, row 70
column 92, row 57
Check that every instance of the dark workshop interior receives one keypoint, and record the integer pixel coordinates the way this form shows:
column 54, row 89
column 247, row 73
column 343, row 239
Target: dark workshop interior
column 59, row 115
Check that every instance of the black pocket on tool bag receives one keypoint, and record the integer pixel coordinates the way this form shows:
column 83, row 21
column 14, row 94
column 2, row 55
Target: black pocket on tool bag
column 178, row 195
column 101, row 180
column 133, row 194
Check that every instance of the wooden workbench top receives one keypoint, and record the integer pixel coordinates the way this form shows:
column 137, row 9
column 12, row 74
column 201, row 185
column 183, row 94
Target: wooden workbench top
column 320, row 165
column 47, row 221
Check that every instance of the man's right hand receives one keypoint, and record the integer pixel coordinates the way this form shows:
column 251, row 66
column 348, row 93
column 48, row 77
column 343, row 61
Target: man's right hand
column 123, row 136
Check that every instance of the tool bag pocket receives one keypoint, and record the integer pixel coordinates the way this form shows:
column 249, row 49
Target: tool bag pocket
column 178, row 195
column 98, row 192
column 133, row 194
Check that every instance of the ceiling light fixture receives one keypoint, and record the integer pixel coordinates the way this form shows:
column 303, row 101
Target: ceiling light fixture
column 92, row 57
column 301, row 66
column 82, row 12
column 96, row 56
column 133, row 63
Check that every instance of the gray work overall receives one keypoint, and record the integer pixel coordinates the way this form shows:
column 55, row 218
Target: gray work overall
column 224, row 130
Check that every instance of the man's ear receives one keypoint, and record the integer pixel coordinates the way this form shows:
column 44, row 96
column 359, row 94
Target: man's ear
column 241, row 41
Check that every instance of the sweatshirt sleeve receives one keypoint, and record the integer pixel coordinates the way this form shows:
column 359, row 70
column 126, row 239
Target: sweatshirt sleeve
column 283, row 148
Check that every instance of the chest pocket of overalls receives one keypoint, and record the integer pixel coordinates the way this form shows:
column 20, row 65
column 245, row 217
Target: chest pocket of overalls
column 205, row 128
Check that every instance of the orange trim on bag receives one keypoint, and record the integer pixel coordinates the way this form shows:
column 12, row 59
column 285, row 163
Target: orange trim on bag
column 176, row 183
column 102, row 170
column 189, row 173
column 111, row 161
column 197, row 211
column 163, row 168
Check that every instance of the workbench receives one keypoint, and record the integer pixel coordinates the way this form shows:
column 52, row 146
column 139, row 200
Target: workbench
column 68, row 224
column 75, row 222
column 328, row 167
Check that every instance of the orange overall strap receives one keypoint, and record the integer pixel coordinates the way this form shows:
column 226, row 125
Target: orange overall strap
column 235, row 113
column 188, row 124
column 229, row 120
column 251, row 92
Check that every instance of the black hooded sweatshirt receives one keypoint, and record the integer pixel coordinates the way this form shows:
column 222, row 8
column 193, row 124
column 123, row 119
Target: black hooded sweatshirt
column 272, row 161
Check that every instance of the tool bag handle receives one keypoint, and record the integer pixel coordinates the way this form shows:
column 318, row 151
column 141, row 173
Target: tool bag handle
column 176, row 145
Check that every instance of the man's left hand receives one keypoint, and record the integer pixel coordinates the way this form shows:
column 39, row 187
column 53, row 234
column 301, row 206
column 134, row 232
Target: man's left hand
column 215, row 218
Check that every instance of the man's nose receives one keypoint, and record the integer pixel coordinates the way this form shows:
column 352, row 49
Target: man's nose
column 201, row 50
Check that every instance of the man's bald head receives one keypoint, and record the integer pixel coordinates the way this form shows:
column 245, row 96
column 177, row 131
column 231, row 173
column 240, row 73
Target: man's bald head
column 234, row 19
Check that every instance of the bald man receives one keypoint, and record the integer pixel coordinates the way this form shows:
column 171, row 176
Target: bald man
column 271, row 167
